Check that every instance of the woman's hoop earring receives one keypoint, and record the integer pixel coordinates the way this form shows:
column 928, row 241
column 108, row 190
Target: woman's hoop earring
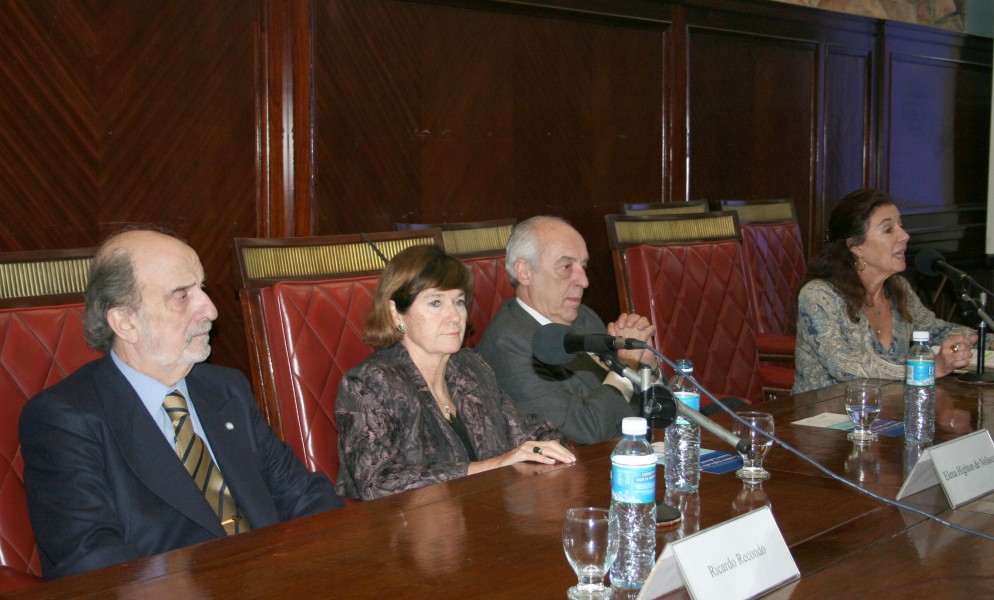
column 400, row 327
column 860, row 264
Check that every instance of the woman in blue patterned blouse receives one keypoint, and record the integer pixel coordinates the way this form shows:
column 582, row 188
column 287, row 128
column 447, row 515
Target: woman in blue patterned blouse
column 855, row 312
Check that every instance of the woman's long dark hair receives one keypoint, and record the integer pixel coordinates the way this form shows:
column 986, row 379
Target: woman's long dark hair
column 836, row 263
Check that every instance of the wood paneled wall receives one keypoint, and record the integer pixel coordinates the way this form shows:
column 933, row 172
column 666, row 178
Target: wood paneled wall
column 290, row 117
column 443, row 114
column 131, row 112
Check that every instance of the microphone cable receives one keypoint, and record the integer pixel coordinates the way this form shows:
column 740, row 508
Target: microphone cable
column 816, row 464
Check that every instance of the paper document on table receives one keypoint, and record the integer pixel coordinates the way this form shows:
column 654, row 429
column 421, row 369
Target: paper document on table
column 712, row 461
column 884, row 427
column 827, row 419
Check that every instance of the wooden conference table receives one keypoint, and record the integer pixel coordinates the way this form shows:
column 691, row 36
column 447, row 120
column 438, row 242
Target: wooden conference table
column 498, row 534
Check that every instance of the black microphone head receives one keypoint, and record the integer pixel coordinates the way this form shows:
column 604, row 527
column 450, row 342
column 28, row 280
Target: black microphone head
column 926, row 261
column 548, row 344
column 659, row 406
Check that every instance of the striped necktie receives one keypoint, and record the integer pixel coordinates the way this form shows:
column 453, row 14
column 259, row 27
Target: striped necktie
column 197, row 460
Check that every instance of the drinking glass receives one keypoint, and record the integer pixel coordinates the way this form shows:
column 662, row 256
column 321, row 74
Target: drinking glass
column 862, row 406
column 590, row 541
column 759, row 444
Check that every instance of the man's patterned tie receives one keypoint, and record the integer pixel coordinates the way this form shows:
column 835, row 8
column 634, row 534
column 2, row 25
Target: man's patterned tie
column 197, row 460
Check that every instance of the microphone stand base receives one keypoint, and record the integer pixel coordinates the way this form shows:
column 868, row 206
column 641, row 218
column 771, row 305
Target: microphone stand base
column 977, row 378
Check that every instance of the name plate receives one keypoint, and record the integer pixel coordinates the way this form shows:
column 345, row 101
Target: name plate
column 964, row 467
column 738, row 559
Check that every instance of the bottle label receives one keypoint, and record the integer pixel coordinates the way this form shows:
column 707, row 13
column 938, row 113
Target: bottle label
column 920, row 372
column 631, row 482
column 690, row 399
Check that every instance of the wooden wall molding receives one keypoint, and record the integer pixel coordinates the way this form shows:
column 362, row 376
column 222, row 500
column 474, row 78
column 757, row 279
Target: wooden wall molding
column 286, row 119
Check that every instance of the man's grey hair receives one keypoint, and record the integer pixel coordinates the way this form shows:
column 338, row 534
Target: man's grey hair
column 111, row 284
column 525, row 244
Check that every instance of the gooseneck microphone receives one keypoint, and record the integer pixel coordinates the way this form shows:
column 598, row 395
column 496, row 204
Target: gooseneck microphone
column 692, row 415
column 555, row 344
column 931, row 262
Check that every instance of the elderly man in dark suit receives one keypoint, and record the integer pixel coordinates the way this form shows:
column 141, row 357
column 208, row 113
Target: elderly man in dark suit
column 547, row 260
column 148, row 449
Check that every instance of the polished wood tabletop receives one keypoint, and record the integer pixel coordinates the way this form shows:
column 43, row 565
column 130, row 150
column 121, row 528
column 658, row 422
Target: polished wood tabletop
column 498, row 534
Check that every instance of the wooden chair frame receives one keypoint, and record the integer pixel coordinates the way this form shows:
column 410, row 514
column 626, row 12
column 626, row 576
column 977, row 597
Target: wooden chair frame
column 666, row 208
column 625, row 231
column 262, row 262
column 44, row 277
column 470, row 239
column 762, row 214
column 47, row 285
column 777, row 210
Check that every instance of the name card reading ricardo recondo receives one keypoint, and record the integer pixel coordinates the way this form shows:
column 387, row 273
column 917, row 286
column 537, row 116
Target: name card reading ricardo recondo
column 964, row 467
column 738, row 559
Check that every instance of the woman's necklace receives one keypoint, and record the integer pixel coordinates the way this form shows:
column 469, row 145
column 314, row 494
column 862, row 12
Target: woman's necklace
column 440, row 393
column 445, row 403
column 878, row 316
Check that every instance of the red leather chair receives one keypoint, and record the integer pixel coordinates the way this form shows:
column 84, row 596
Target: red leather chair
column 481, row 246
column 304, row 301
column 685, row 273
column 41, row 341
column 775, row 267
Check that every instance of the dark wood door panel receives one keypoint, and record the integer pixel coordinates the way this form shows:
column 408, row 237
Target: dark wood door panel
column 752, row 117
column 126, row 112
column 48, row 126
column 438, row 114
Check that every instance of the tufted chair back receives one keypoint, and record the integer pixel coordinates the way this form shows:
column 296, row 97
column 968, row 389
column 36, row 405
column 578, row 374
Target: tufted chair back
column 697, row 297
column 775, row 266
column 315, row 336
column 304, row 301
column 686, row 274
column 481, row 246
column 41, row 342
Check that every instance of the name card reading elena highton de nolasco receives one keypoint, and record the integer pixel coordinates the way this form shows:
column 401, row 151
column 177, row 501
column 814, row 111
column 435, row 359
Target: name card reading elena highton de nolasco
column 964, row 467
column 740, row 558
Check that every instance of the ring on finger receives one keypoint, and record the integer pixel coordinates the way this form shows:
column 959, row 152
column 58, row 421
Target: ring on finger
column 537, row 449
column 954, row 347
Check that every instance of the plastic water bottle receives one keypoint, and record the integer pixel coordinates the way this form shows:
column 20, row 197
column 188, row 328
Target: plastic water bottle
column 919, row 391
column 633, row 501
column 682, row 444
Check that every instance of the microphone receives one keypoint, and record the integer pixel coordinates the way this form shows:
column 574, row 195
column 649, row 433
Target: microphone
column 931, row 262
column 555, row 344
column 692, row 415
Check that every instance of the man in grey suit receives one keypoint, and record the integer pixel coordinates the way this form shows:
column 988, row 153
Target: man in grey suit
column 111, row 472
column 547, row 260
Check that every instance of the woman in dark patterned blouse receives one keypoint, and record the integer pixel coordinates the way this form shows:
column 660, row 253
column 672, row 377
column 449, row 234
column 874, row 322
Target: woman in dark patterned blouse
column 420, row 409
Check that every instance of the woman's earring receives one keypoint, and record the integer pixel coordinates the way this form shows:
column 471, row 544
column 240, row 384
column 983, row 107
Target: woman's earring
column 860, row 264
column 400, row 327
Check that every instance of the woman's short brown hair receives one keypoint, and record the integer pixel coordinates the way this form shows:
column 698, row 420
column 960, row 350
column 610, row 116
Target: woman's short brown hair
column 409, row 273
